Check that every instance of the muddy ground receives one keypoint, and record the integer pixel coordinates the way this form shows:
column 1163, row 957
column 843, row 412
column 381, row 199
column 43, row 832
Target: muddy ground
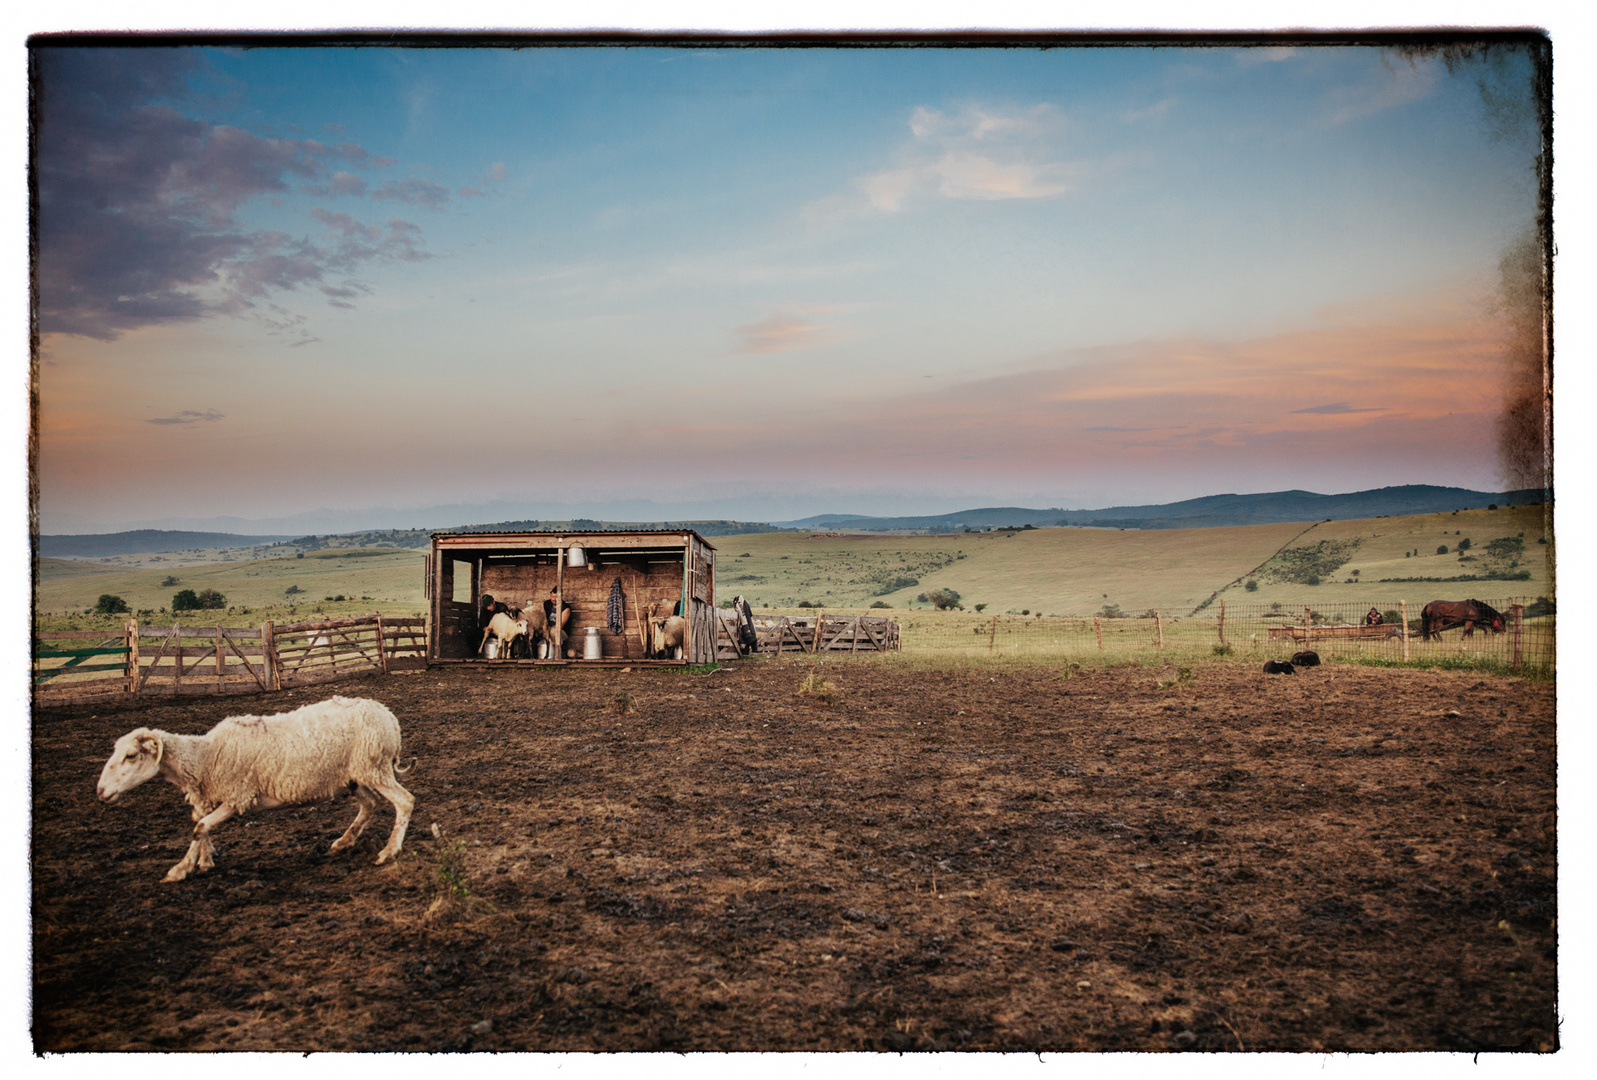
column 1345, row 859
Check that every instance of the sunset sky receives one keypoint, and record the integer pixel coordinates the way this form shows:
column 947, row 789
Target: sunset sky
column 761, row 283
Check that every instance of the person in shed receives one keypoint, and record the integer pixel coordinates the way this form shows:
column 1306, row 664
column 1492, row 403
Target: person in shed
column 566, row 625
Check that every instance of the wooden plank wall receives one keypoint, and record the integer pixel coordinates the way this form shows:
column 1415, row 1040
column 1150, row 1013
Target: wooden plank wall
column 645, row 579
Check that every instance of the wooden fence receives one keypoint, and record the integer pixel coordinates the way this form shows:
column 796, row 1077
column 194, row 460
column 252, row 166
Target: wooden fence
column 810, row 634
column 178, row 660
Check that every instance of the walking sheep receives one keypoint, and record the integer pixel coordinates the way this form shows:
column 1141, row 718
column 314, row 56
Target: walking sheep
column 259, row 762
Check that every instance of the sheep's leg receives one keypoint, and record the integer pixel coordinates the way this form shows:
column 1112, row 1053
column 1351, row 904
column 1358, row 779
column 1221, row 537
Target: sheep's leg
column 404, row 803
column 368, row 802
column 199, row 852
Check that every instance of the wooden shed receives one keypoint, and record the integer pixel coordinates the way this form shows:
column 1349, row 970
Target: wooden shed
column 654, row 566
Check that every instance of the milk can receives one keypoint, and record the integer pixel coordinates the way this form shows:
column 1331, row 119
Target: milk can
column 593, row 645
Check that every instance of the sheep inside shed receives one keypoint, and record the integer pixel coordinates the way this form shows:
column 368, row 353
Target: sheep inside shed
column 667, row 636
column 505, row 630
column 259, row 762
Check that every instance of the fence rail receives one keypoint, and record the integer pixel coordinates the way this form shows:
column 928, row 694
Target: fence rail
column 180, row 660
column 810, row 634
column 1267, row 631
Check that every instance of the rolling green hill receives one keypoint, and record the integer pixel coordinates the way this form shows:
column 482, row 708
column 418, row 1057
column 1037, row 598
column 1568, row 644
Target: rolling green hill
column 1063, row 571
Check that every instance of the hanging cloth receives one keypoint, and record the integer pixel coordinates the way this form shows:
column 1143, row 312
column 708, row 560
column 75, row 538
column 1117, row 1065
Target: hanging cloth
column 615, row 620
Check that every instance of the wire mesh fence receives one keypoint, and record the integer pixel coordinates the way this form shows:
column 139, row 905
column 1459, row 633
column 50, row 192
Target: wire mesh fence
column 1522, row 639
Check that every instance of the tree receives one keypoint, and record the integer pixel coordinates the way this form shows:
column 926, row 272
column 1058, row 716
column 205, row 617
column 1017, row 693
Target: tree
column 941, row 599
column 169, row 581
column 110, row 605
column 185, row 600
column 1252, row 585
column 211, row 600
column 1441, row 549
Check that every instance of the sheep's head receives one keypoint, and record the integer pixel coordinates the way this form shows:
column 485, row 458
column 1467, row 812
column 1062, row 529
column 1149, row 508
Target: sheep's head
column 136, row 758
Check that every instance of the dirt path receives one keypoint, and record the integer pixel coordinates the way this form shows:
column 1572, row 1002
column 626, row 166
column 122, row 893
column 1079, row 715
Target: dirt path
column 977, row 860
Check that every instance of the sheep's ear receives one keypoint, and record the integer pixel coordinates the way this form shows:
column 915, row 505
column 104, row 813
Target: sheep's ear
column 151, row 745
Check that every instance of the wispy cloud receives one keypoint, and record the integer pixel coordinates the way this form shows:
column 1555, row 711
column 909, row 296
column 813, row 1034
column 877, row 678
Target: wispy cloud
column 1340, row 408
column 976, row 153
column 785, row 331
column 1389, row 86
column 414, row 191
column 189, row 416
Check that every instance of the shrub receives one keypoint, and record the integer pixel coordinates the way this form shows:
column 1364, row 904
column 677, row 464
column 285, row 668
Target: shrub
column 941, row 599
column 1025, row 611
column 1252, row 585
column 881, row 604
column 1463, row 545
column 979, row 608
column 820, row 691
column 1441, row 549
column 1312, row 579
column 1392, row 616
column 1112, row 611
column 110, row 605
column 185, row 600
column 1222, row 650
column 293, row 590
column 169, row 581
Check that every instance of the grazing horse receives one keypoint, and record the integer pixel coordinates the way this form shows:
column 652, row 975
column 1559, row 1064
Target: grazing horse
column 1441, row 615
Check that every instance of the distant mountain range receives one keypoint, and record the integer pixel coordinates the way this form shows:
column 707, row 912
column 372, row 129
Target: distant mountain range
column 142, row 541
column 1211, row 511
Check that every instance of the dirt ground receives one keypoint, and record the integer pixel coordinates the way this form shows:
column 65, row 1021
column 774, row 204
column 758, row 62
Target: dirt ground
column 978, row 860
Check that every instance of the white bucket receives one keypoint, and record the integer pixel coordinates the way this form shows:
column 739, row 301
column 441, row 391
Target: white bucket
column 593, row 645
column 575, row 556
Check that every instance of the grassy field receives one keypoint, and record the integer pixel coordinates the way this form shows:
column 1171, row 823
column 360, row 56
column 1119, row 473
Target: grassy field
column 1057, row 571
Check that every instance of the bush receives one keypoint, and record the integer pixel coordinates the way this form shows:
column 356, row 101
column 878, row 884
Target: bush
column 1251, row 586
column 169, row 581
column 185, row 600
column 882, row 604
column 979, row 608
column 1463, row 545
column 293, row 590
column 1441, row 549
column 941, row 599
column 110, row 605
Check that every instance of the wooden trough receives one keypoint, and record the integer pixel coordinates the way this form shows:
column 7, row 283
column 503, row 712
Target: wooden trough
column 673, row 569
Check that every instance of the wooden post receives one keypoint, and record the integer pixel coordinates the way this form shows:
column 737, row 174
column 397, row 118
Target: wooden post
column 274, row 677
column 1402, row 606
column 1097, row 625
column 687, row 594
column 992, row 634
column 1222, row 622
column 1516, row 614
column 1158, row 628
column 177, row 658
column 221, row 662
column 1306, row 616
column 382, row 651
column 557, row 641
column 820, row 628
column 131, row 630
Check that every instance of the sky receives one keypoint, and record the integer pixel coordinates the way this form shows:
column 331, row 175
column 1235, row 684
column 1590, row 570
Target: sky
column 391, row 287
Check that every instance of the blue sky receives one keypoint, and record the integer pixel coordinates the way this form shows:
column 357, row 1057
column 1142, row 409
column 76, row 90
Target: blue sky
column 763, row 282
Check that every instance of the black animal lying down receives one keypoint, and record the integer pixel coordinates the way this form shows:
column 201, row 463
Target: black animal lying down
column 1278, row 667
column 1306, row 659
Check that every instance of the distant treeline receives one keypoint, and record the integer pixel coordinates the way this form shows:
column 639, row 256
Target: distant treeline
column 703, row 528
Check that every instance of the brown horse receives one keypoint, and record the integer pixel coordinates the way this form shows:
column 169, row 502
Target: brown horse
column 1441, row 615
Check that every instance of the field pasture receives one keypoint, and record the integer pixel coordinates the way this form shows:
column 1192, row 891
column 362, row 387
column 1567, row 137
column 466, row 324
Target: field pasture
column 1058, row 571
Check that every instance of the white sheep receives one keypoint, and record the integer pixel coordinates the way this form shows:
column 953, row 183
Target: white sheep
column 259, row 762
column 505, row 630
column 669, row 635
